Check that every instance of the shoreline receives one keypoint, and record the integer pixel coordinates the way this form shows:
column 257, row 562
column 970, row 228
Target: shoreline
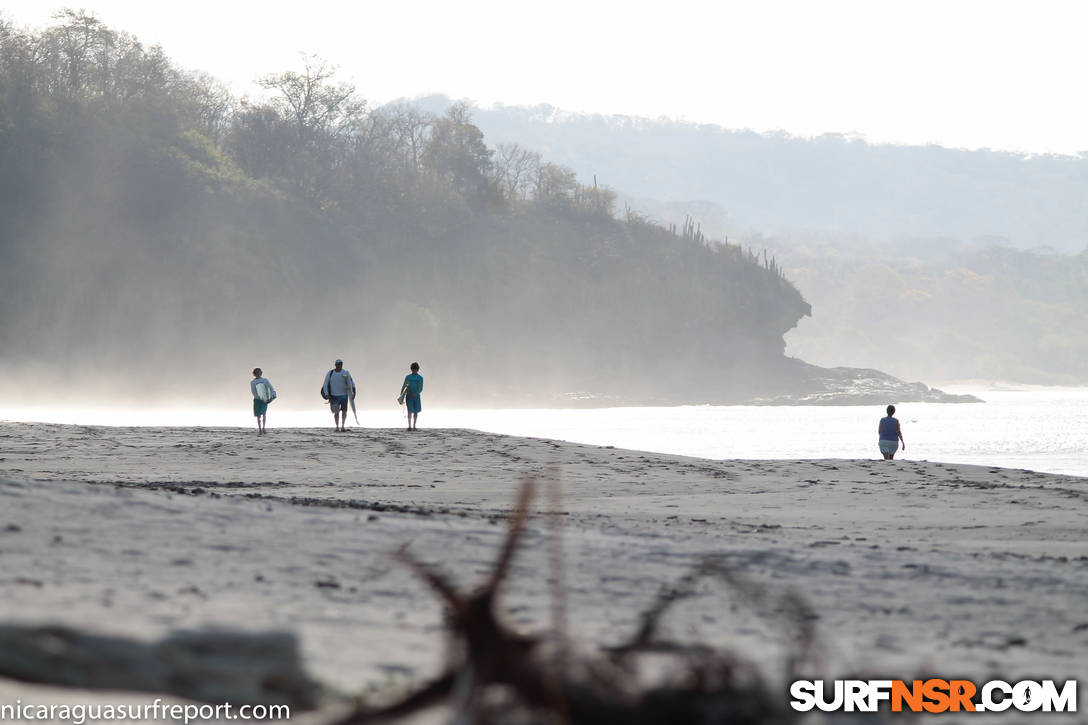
column 1033, row 432
column 911, row 566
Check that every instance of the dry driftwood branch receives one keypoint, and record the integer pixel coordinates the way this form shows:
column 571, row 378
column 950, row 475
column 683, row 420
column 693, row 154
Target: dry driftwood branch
column 497, row 675
column 793, row 612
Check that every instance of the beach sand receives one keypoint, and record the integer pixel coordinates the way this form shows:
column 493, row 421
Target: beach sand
column 914, row 568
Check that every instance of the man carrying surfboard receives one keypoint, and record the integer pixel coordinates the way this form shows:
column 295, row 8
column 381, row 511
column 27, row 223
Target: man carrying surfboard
column 337, row 389
column 263, row 394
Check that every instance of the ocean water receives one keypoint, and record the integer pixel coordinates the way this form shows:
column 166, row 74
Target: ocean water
column 1040, row 429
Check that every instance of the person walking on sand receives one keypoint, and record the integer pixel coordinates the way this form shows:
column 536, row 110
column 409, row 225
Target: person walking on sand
column 410, row 391
column 263, row 394
column 336, row 389
column 891, row 434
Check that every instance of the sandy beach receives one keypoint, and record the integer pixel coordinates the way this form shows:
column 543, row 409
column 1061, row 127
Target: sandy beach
column 913, row 568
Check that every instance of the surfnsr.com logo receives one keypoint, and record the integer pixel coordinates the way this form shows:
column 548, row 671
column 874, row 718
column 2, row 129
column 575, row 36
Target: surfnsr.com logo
column 933, row 696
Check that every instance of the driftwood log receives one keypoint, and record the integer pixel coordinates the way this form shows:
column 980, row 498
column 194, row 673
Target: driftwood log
column 211, row 667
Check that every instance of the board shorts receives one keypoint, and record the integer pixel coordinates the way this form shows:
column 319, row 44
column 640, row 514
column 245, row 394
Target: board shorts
column 414, row 402
column 889, row 446
column 338, row 402
column 259, row 407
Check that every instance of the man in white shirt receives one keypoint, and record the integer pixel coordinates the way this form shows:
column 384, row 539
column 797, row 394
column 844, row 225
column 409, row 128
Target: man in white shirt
column 338, row 387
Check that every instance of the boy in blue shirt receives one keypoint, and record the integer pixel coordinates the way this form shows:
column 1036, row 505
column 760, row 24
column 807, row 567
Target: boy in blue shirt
column 409, row 395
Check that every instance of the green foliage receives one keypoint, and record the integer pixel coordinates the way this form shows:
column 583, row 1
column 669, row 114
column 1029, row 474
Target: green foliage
column 215, row 173
column 457, row 156
column 153, row 218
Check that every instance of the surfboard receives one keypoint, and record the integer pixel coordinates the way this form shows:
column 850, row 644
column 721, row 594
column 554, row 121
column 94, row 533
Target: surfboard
column 264, row 392
column 351, row 394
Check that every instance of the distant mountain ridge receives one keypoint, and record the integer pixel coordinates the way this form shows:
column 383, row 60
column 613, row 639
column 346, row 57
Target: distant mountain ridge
column 774, row 182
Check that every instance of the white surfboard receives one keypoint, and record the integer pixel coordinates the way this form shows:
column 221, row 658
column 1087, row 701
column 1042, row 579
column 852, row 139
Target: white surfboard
column 264, row 392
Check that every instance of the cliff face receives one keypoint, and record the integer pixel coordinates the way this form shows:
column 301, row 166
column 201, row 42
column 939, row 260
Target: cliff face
column 626, row 309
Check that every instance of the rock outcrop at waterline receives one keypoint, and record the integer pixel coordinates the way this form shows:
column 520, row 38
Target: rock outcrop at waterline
column 858, row 386
column 787, row 382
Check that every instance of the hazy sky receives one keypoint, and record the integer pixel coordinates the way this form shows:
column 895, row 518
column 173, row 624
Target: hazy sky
column 986, row 73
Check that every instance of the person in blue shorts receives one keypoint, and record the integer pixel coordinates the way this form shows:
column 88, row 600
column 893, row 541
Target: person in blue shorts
column 410, row 391
column 338, row 388
column 260, row 406
column 891, row 435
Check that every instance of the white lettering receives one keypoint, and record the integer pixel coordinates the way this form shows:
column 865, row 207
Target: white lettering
column 988, row 701
column 879, row 690
column 821, row 697
column 1027, row 696
column 855, row 696
column 804, row 695
column 1064, row 701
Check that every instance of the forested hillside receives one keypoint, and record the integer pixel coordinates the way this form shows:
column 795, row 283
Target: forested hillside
column 832, row 184
column 160, row 237
column 929, row 263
